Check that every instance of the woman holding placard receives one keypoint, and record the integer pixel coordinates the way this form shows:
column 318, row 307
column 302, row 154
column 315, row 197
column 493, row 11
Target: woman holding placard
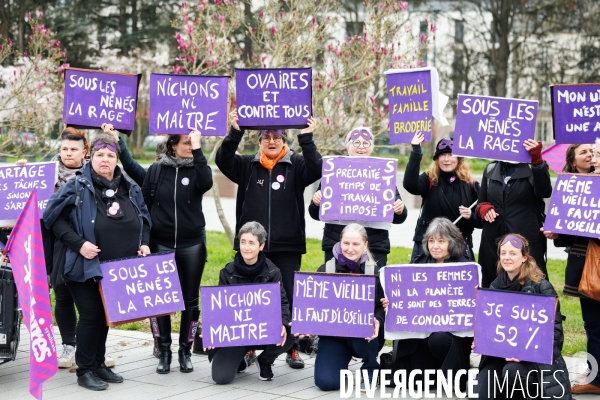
column 359, row 143
column 447, row 189
column 518, row 272
column 85, row 213
column 250, row 265
column 511, row 199
column 350, row 256
column 579, row 159
column 443, row 243
column 175, row 203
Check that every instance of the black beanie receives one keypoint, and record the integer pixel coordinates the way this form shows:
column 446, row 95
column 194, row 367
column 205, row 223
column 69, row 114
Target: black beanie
column 443, row 146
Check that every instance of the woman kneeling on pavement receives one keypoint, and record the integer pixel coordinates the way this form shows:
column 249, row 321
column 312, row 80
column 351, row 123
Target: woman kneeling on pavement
column 250, row 265
column 350, row 256
column 85, row 214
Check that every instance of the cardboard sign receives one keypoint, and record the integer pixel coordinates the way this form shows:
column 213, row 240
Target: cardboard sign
column 574, row 207
column 178, row 102
column 26, row 252
column 576, row 112
column 515, row 325
column 494, row 127
column 430, row 297
column 140, row 287
column 334, row 304
column 358, row 189
column 273, row 98
column 95, row 97
column 410, row 96
column 241, row 315
column 17, row 182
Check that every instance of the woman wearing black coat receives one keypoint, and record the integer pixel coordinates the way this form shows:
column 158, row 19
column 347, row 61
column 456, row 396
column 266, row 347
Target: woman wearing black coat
column 511, row 199
column 175, row 204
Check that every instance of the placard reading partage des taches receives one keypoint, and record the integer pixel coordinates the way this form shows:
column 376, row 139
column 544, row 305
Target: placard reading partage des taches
column 17, row 182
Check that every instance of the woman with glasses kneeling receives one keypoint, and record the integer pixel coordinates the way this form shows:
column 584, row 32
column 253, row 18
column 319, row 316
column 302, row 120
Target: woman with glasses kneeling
column 250, row 265
column 85, row 214
column 350, row 256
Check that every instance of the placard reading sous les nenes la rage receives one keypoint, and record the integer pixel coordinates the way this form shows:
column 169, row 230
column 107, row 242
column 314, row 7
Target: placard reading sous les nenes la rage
column 16, row 183
column 574, row 207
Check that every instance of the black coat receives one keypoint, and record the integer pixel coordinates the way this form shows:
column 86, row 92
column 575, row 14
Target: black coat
column 280, row 211
column 379, row 239
column 556, row 375
column 521, row 207
column 435, row 203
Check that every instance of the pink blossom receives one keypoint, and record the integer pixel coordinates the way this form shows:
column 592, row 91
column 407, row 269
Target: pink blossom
column 272, row 29
column 189, row 28
column 215, row 62
column 29, row 15
column 64, row 55
column 403, row 5
column 433, row 28
column 372, row 100
column 40, row 15
column 251, row 29
column 423, row 38
column 261, row 14
column 420, row 63
column 25, row 54
column 314, row 20
column 183, row 4
column 220, row 19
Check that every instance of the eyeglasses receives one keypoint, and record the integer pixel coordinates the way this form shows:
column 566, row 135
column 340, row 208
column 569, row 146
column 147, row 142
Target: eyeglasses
column 359, row 143
column 275, row 139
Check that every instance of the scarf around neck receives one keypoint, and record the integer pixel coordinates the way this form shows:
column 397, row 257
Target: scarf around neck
column 269, row 163
column 107, row 191
column 65, row 173
column 345, row 261
column 249, row 271
column 170, row 161
column 504, row 283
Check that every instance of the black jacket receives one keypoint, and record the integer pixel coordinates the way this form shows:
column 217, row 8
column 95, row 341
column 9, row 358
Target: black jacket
column 521, row 207
column 176, row 209
column 268, row 273
column 379, row 310
column 135, row 171
column 280, row 211
column 379, row 239
column 552, row 387
column 424, row 259
column 435, row 203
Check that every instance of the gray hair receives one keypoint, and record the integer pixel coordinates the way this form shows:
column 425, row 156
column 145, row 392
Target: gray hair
column 445, row 229
column 255, row 229
column 107, row 140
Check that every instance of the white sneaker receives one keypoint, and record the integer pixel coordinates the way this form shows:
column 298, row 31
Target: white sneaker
column 67, row 358
column 108, row 361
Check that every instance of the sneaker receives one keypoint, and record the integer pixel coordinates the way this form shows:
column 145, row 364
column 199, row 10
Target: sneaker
column 293, row 359
column 587, row 388
column 247, row 361
column 108, row 361
column 265, row 373
column 67, row 358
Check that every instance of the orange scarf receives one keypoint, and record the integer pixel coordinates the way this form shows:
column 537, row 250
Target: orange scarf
column 269, row 163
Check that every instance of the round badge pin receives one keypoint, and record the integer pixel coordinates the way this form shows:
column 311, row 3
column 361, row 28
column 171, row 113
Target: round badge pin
column 275, row 185
column 110, row 193
column 280, row 178
column 112, row 211
column 115, row 205
column 185, row 181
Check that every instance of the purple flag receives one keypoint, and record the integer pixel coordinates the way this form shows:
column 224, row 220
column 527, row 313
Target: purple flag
column 26, row 252
column 140, row 287
column 494, row 127
column 515, row 325
column 430, row 297
column 555, row 156
column 241, row 315
column 95, row 97
column 576, row 113
column 16, row 183
column 333, row 304
column 178, row 102
column 273, row 98
column 411, row 105
column 358, row 189
column 574, row 207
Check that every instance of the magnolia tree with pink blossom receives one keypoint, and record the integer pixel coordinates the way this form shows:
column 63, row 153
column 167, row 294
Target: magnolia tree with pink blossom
column 31, row 94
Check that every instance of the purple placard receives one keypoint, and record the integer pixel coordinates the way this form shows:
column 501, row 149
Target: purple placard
column 178, row 102
column 410, row 99
column 494, row 127
column 17, row 182
column 273, row 98
column 358, row 189
column 241, row 315
column 333, row 304
column 430, row 298
column 515, row 325
column 140, row 287
column 576, row 113
column 95, row 97
column 574, row 207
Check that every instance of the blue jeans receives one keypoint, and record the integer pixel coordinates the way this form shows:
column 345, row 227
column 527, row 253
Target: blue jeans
column 335, row 354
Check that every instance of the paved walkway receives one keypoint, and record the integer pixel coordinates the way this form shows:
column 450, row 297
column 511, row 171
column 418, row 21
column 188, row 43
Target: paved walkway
column 132, row 352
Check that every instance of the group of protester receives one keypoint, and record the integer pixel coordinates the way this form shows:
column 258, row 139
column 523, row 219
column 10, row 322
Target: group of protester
column 161, row 210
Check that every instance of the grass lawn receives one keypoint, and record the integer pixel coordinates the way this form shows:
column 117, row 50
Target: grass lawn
column 220, row 253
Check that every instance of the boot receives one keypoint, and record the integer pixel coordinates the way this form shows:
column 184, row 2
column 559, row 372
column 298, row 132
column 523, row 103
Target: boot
column 185, row 358
column 164, row 345
column 186, row 338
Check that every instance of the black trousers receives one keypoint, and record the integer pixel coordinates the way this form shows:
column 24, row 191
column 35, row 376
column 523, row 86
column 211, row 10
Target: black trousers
column 226, row 360
column 190, row 266
column 91, row 329
column 64, row 312
column 379, row 257
column 494, row 372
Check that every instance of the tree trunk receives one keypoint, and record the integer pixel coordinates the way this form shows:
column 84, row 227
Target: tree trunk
column 502, row 28
column 123, row 27
column 217, row 196
column 247, row 56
